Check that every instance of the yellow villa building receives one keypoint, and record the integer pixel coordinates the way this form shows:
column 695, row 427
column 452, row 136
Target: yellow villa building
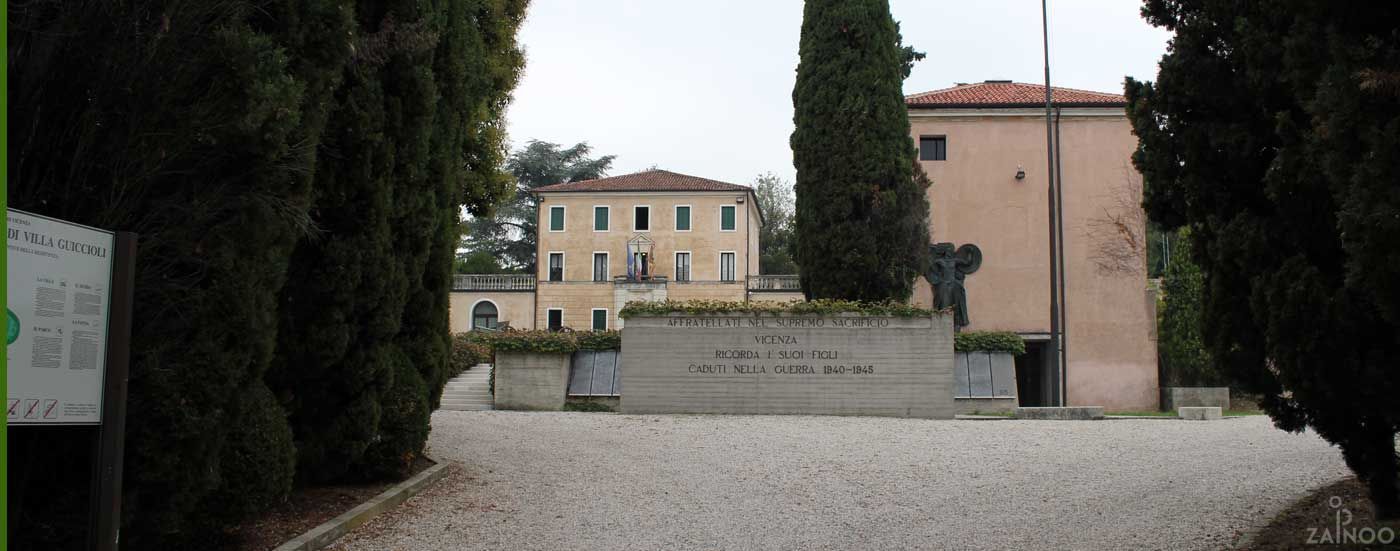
column 652, row 235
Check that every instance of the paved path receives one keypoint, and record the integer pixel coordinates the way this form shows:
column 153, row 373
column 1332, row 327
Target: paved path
column 609, row 481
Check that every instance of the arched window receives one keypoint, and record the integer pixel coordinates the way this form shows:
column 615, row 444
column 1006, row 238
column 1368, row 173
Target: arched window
column 484, row 315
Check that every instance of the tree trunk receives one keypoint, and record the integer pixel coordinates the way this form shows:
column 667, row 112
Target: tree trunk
column 1382, row 473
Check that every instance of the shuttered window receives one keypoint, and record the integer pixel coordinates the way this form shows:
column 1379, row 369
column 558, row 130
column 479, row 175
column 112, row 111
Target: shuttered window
column 556, row 218
column 726, row 218
column 683, row 218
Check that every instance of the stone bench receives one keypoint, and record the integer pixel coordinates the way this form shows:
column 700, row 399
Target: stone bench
column 1199, row 413
column 1071, row 413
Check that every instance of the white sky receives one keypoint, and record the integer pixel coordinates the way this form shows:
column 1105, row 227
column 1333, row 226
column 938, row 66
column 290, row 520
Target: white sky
column 705, row 87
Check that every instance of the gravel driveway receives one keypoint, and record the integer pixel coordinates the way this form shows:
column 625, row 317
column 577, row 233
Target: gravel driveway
column 610, row 481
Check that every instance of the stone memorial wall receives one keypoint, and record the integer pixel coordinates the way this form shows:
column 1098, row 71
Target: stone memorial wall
column 839, row 364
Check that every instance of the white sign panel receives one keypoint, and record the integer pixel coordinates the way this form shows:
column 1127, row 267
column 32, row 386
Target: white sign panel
column 58, row 283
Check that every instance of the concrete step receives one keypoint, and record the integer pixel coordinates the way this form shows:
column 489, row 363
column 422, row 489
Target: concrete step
column 482, row 407
column 467, row 397
column 452, row 405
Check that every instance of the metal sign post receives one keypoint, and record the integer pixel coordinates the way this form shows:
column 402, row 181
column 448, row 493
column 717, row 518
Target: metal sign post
column 111, row 434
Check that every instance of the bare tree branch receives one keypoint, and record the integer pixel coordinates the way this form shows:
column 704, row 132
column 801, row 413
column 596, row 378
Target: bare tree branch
column 1118, row 235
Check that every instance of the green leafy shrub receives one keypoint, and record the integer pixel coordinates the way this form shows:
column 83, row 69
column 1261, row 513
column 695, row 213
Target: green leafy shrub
column 1180, row 348
column 989, row 341
column 467, row 352
column 811, row 307
column 599, row 340
column 547, row 342
column 537, row 341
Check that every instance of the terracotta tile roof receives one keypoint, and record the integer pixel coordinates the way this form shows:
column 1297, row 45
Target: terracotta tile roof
column 647, row 180
column 1004, row 93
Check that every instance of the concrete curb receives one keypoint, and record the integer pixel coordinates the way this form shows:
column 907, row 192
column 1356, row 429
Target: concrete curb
column 333, row 529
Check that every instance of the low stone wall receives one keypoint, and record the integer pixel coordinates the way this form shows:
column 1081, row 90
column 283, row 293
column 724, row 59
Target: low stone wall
column 1070, row 413
column 841, row 364
column 531, row 381
column 1198, row 413
column 1174, row 397
column 972, row 406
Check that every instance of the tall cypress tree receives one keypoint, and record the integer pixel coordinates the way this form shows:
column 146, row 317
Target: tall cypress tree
column 195, row 127
column 364, row 334
column 1271, row 132
column 861, row 218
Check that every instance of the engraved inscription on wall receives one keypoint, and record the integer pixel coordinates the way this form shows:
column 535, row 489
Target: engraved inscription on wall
column 841, row 364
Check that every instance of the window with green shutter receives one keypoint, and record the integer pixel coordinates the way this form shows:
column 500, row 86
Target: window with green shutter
column 600, row 320
column 556, row 218
column 600, row 218
column 683, row 218
column 726, row 218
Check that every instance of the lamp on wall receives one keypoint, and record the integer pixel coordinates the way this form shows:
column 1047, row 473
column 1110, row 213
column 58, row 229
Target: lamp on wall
column 1020, row 172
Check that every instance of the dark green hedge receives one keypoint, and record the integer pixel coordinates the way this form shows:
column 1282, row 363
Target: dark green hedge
column 403, row 426
column 989, row 341
column 812, row 307
column 258, row 461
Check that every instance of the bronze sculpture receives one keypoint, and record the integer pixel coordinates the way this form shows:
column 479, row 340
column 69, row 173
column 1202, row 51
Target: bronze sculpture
column 946, row 271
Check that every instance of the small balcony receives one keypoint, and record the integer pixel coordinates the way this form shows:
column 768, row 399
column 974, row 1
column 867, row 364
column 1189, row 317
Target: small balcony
column 640, row 278
column 493, row 282
column 775, row 284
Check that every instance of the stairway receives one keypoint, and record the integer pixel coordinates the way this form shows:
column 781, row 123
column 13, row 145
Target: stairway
column 470, row 391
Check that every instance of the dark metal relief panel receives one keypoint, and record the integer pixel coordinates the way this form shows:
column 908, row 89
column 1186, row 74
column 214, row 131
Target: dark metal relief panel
column 1003, row 376
column 581, row 374
column 604, row 369
column 961, row 385
column 979, row 373
column 594, row 373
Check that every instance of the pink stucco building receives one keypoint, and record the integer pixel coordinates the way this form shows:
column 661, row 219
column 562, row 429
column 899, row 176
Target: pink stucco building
column 984, row 146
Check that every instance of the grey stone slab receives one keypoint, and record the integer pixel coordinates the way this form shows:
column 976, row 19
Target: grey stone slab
column 1071, row 413
column 961, row 385
column 1199, row 413
column 844, row 364
column 979, row 374
column 604, row 369
column 1003, row 375
column 1195, row 396
column 581, row 374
